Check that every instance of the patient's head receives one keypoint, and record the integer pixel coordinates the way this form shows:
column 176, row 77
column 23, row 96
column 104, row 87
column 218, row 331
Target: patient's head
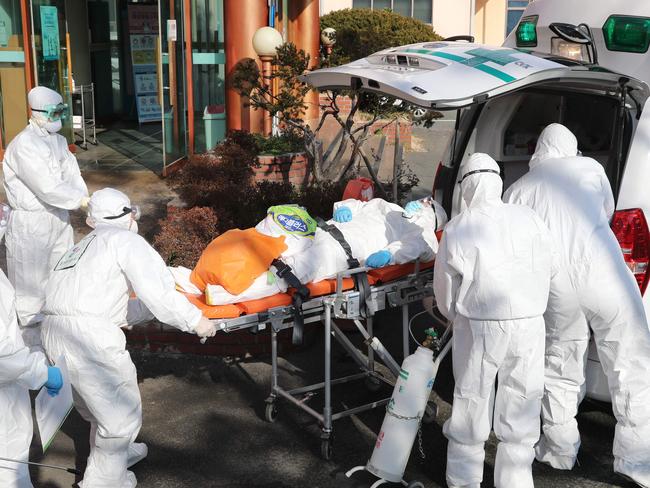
column 291, row 221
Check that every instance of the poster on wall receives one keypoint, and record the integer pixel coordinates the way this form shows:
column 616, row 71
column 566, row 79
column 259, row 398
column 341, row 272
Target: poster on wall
column 143, row 34
column 50, row 33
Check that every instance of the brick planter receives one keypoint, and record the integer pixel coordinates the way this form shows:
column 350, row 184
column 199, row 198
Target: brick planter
column 287, row 168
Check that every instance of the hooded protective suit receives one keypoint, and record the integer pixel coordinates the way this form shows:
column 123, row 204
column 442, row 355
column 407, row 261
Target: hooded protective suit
column 42, row 182
column 20, row 371
column 492, row 277
column 375, row 225
column 86, row 304
column 574, row 198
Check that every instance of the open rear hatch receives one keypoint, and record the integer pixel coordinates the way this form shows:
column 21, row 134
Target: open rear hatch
column 450, row 75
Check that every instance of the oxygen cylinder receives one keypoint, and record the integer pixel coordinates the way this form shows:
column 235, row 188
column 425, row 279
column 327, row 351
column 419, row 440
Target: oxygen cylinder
column 403, row 415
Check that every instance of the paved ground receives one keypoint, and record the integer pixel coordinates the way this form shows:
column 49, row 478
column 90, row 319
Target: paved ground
column 203, row 417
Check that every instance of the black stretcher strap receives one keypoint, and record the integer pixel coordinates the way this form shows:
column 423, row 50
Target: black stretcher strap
column 284, row 271
column 360, row 279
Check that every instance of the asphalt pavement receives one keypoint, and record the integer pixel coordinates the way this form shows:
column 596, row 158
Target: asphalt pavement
column 204, row 424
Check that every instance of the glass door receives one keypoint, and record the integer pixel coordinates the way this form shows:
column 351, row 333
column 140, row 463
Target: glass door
column 51, row 51
column 208, row 73
column 172, row 79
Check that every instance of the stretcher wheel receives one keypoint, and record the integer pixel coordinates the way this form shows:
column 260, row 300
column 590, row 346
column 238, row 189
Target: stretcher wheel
column 430, row 413
column 326, row 449
column 271, row 413
column 373, row 384
column 415, row 484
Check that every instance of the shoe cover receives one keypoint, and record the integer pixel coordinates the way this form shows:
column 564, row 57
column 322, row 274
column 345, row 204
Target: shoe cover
column 549, row 450
column 137, row 452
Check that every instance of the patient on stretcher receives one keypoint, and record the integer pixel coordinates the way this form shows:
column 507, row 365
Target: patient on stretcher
column 237, row 265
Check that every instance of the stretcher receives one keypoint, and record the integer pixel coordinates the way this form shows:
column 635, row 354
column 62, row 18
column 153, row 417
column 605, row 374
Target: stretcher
column 390, row 287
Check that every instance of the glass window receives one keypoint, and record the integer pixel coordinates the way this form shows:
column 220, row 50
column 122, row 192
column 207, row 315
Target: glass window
column 361, row 4
column 422, row 10
column 402, row 7
column 380, row 4
column 517, row 3
column 513, row 19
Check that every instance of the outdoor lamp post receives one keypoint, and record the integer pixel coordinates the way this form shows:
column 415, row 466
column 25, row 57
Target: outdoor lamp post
column 328, row 39
column 265, row 42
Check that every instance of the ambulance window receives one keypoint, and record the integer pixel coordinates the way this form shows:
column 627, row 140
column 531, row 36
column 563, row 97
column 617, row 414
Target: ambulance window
column 591, row 118
column 535, row 112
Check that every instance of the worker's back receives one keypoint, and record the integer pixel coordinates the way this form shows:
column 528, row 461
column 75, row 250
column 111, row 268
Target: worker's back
column 503, row 256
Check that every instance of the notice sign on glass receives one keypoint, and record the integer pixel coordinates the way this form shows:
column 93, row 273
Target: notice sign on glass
column 50, row 33
column 143, row 30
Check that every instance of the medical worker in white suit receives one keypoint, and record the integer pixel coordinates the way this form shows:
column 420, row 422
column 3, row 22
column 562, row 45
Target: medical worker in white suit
column 20, row 371
column 573, row 196
column 42, row 182
column 87, row 297
column 494, row 275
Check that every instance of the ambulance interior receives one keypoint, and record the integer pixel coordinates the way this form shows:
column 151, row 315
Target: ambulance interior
column 507, row 128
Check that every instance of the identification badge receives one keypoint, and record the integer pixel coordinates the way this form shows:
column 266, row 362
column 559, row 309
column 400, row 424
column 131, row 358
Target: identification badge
column 72, row 257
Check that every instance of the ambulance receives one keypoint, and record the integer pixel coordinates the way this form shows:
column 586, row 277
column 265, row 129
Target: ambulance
column 581, row 63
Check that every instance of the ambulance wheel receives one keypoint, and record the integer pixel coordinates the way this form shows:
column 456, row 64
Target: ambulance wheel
column 271, row 412
column 415, row 484
column 430, row 413
column 326, row 450
column 373, row 384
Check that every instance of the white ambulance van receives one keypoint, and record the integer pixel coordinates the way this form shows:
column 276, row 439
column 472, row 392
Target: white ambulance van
column 545, row 72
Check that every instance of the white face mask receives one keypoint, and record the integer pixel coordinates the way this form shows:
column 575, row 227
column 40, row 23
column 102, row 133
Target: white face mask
column 50, row 126
column 53, row 127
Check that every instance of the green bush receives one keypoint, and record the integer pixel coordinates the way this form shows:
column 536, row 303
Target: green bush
column 361, row 32
column 282, row 144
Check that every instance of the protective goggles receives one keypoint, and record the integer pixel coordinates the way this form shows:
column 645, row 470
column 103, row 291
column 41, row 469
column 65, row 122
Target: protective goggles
column 54, row 112
column 476, row 171
column 134, row 210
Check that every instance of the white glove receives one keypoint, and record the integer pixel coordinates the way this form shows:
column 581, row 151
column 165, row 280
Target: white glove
column 84, row 203
column 205, row 328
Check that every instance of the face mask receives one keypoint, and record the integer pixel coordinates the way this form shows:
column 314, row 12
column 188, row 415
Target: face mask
column 53, row 127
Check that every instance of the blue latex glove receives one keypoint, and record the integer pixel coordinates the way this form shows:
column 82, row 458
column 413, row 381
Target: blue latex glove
column 413, row 207
column 343, row 214
column 54, row 381
column 378, row 259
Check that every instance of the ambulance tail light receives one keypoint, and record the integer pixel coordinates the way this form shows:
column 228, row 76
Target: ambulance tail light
column 631, row 230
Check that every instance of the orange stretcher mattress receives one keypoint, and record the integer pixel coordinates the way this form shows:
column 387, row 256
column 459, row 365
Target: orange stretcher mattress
column 325, row 287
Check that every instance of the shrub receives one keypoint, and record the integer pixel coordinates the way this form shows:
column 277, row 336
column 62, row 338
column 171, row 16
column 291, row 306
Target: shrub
column 288, row 142
column 184, row 235
column 361, row 32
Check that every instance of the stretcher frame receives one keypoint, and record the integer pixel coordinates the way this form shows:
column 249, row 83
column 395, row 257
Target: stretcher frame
column 343, row 304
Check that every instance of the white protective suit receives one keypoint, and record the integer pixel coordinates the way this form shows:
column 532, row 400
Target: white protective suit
column 573, row 196
column 42, row 182
column 20, row 371
column 376, row 225
column 492, row 277
column 86, row 304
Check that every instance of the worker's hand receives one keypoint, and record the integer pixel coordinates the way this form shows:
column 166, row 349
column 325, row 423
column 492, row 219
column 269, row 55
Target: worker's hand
column 54, row 381
column 342, row 214
column 84, row 203
column 205, row 328
column 378, row 259
column 413, row 207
